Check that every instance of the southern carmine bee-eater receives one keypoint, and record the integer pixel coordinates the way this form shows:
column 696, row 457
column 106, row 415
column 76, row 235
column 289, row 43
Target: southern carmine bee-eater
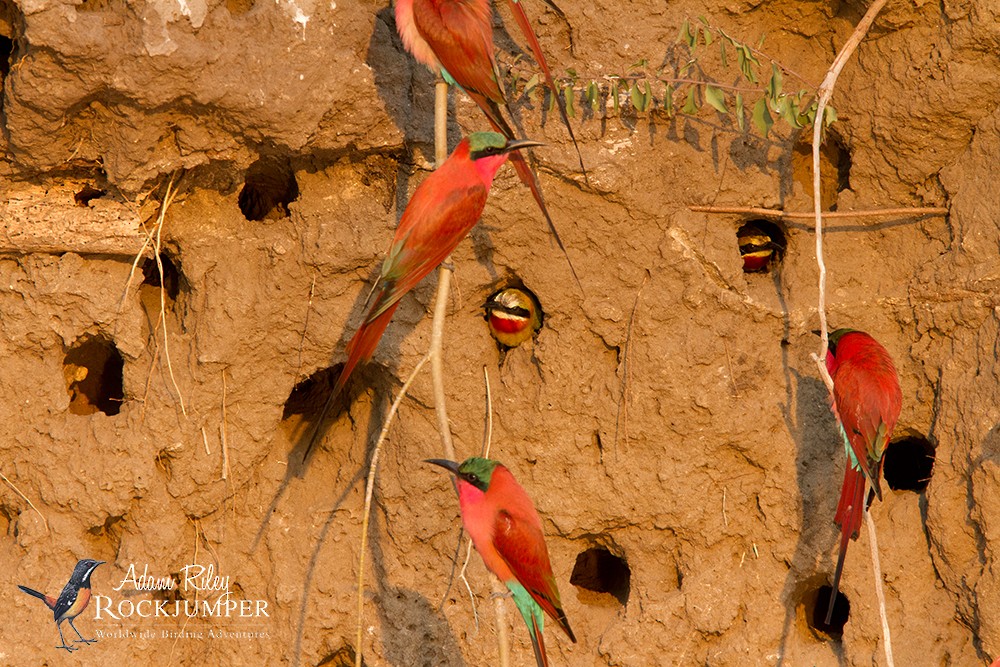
column 442, row 211
column 454, row 38
column 513, row 316
column 757, row 248
column 507, row 532
column 866, row 403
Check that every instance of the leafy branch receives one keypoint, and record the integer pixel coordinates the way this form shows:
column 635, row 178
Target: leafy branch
column 682, row 84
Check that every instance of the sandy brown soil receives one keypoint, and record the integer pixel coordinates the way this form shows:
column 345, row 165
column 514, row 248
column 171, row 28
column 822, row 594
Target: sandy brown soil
column 717, row 490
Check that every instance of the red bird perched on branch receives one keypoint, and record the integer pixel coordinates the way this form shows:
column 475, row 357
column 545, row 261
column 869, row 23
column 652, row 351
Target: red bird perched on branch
column 507, row 532
column 866, row 403
column 454, row 38
column 442, row 211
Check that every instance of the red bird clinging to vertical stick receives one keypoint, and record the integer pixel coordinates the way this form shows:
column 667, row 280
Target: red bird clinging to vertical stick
column 441, row 212
column 454, row 38
column 866, row 403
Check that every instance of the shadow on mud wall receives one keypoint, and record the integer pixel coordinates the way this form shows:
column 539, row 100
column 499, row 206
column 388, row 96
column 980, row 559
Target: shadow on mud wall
column 414, row 633
column 818, row 472
column 814, row 432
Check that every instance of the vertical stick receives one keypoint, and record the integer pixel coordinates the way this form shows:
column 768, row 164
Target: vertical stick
column 436, row 347
column 879, row 593
column 825, row 93
column 444, row 282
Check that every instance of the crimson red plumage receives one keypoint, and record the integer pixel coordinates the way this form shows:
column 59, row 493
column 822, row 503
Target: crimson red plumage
column 440, row 214
column 507, row 533
column 866, row 401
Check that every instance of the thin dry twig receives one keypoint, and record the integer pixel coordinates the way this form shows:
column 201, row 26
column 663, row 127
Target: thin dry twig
column 825, row 93
column 305, row 326
column 622, row 417
column 154, row 238
column 444, row 283
column 369, row 488
column 879, row 593
column 223, row 431
column 168, row 199
column 433, row 355
column 27, row 500
column 777, row 213
column 498, row 588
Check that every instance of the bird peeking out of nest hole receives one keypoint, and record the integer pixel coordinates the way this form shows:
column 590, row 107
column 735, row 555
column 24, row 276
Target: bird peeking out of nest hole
column 513, row 316
column 760, row 247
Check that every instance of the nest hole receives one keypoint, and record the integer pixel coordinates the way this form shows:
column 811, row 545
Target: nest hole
column 513, row 315
column 88, row 194
column 239, row 7
column 170, row 280
column 762, row 245
column 909, row 463
column 834, row 168
column 342, row 657
column 600, row 571
column 6, row 50
column 93, row 371
column 269, row 188
column 816, row 602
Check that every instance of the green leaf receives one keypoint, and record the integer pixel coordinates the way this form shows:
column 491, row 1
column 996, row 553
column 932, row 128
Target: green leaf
column 668, row 101
column 647, row 97
column 761, row 117
column 829, row 116
column 614, row 94
column 636, row 97
column 774, row 84
column 706, row 34
column 691, row 105
column 716, row 98
column 552, row 100
column 593, row 95
column 723, row 56
column 746, row 61
column 571, row 73
column 790, row 112
column 686, row 35
column 568, row 96
column 532, row 83
column 740, row 121
column 704, row 21
column 639, row 64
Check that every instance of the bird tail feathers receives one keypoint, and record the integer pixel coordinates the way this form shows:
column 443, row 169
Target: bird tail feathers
column 33, row 593
column 850, row 510
column 360, row 349
column 538, row 643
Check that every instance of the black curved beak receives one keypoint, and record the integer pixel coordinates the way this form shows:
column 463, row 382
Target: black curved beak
column 521, row 143
column 450, row 466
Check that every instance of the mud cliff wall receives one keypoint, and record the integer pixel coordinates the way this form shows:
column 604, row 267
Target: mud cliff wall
column 696, row 527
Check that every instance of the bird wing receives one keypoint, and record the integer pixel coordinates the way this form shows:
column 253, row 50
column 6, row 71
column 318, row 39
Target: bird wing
column 460, row 32
column 430, row 229
column 522, row 547
column 868, row 403
column 66, row 599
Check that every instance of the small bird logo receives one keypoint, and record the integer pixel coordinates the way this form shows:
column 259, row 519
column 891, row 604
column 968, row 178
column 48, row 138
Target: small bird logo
column 757, row 248
column 513, row 316
column 72, row 601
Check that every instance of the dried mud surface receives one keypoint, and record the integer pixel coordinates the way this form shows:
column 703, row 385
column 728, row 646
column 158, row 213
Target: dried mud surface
column 718, row 486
